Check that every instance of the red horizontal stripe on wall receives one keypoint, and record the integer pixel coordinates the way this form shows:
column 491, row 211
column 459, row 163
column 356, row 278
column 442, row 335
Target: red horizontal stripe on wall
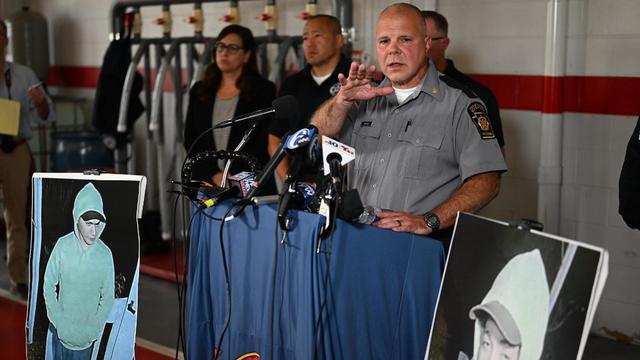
column 87, row 77
column 521, row 92
column 602, row 95
column 614, row 95
column 73, row 76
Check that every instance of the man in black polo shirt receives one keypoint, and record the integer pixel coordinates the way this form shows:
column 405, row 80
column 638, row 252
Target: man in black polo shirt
column 629, row 183
column 317, row 82
column 437, row 30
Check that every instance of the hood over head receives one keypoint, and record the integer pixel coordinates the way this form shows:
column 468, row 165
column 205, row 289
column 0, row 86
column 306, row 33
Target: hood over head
column 88, row 205
column 518, row 302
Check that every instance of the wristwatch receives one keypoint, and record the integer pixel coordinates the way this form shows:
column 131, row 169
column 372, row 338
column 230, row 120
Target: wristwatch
column 432, row 220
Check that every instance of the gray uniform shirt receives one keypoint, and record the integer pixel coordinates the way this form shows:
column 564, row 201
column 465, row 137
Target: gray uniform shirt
column 22, row 78
column 412, row 157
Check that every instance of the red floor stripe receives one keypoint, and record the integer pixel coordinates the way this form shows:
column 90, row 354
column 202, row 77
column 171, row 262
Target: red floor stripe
column 13, row 337
column 162, row 265
column 12, row 329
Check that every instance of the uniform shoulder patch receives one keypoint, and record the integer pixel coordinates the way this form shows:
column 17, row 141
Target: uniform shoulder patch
column 478, row 114
column 458, row 85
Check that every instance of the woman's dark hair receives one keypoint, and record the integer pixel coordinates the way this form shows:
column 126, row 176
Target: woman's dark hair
column 213, row 76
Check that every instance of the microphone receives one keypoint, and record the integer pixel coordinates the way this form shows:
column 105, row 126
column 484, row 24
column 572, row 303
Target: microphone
column 292, row 142
column 243, row 181
column 284, row 108
column 352, row 209
column 334, row 156
column 335, row 169
column 240, row 184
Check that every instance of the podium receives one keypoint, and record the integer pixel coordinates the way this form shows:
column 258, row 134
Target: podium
column 368, row 294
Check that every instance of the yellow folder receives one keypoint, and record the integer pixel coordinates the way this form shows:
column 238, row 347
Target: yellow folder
column 9, row 117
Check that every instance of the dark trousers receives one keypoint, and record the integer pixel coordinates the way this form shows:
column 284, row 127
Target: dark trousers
column 60, row 352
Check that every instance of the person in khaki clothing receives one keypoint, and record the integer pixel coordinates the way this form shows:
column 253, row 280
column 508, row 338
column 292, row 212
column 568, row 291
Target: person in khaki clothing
column 18, row 83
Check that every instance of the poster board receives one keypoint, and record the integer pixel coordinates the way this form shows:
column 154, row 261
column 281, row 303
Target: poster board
column 84, row 255
column 520, row 293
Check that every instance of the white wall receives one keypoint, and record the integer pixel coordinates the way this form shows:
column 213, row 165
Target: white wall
column 487, row 37
column 508, row 37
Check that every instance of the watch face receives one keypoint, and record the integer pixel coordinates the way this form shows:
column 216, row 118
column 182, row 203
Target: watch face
column 432, row 220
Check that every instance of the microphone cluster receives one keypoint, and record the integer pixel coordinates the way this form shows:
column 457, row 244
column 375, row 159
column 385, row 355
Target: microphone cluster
column 305, row 145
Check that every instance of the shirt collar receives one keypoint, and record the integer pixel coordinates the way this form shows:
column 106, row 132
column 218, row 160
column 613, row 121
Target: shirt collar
column 431, row 84
column 336, row 70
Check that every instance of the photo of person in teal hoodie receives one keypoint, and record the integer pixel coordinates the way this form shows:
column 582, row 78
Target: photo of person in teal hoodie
column 78, row 285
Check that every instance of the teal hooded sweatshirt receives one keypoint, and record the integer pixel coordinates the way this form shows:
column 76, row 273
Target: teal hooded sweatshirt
column 79, row 283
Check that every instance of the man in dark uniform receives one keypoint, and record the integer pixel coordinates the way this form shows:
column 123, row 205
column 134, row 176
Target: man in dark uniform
column 630, row 182
column 437, row 30
column 317, row 82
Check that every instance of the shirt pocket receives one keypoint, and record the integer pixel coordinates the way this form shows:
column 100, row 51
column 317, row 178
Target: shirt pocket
column 366, row 141
column 423, row 145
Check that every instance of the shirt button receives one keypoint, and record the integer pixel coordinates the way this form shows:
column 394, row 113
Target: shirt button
column 373, row 186
column 418, row 140
column 389, row 135
column 382, row 160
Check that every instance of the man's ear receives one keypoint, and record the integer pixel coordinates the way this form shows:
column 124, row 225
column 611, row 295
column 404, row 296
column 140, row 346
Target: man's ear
column 445, row 42
column 339, row 41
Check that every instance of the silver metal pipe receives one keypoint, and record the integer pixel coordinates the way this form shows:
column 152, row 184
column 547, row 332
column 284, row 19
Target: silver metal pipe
column 126, row 88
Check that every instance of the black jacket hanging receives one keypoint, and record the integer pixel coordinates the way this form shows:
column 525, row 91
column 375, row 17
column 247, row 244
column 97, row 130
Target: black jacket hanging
column 106, row 106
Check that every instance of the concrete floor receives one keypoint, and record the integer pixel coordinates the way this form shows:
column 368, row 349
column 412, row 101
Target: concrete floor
column 158, row 319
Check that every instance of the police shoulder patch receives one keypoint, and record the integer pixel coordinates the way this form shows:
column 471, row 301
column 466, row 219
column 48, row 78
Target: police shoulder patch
column 478, row 114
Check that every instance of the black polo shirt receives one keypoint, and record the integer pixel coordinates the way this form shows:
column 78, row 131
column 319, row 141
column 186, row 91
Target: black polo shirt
column 484, row 93
column 629, row 184
column 309, row 94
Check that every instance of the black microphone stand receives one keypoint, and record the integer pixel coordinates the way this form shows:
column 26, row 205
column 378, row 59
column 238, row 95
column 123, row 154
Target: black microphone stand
column 289, row 186
column 241, row 144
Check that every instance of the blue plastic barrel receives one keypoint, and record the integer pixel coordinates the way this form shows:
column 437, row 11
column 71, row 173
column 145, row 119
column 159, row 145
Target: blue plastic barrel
column 77, row 151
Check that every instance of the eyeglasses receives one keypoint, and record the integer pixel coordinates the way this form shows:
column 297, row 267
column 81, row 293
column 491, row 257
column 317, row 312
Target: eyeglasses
column 232, row 49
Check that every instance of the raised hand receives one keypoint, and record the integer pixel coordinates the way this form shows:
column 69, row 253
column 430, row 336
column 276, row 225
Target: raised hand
column 358, row 85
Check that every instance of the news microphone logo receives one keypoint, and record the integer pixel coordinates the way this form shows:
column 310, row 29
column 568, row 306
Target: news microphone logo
column 300, row 138
column 329, row 146
column 245, row 181
column 307, row 190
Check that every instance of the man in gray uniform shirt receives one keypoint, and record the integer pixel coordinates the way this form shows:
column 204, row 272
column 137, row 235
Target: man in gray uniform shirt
column 424, row 148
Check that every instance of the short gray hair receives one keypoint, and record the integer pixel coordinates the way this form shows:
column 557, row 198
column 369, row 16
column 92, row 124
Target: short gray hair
column 441, row 23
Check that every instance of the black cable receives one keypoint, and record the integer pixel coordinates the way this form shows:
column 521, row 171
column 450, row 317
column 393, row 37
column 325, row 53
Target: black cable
column 282, row 282
column 174, row 243
column 327, row 255
column 273, row 287
column 225, row 266
column 185, row 266
column 181, row 290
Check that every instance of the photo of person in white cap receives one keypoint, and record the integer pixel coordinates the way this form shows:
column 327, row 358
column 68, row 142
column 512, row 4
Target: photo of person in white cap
column 511, row 321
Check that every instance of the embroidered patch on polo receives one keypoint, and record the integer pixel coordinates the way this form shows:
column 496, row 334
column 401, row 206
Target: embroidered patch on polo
column 480, row 119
